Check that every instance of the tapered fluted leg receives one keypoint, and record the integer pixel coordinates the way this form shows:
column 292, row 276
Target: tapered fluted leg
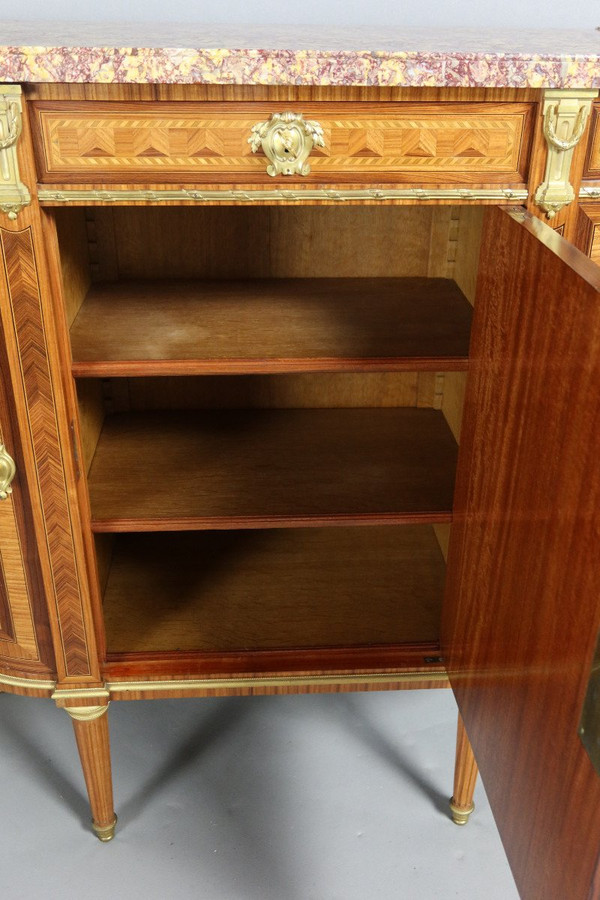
column 91, row 733
column 465, row 776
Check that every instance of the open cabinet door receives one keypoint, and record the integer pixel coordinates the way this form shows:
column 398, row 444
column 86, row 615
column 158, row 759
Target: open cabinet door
column 522, row 610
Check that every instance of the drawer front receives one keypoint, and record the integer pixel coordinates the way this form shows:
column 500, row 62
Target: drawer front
column 188, row 143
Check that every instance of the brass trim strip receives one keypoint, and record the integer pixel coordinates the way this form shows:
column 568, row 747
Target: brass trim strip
column 191, row 684
column 460, row 816
column 589, row 193
column 37, row 684
column 46, row 195
column 86, row 713
column 105, row 833
column 80, row 694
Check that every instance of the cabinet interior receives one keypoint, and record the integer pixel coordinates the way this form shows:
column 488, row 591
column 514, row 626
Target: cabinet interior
column 269, row 406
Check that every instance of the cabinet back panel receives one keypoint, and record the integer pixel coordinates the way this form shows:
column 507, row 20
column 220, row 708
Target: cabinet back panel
column 261, row 242
column 278, row 391
column 106, row 244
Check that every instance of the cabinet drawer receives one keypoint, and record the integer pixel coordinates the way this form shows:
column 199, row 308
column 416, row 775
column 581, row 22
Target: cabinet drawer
column 188, row 143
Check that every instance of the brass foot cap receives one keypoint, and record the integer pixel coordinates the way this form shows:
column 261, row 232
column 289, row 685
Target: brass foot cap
column 105, row 833
column 460, row 815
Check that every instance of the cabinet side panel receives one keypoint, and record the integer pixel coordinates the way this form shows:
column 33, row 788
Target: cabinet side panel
column 23, row 287
column 24, row 629
column 48, row 462
column 522, row 614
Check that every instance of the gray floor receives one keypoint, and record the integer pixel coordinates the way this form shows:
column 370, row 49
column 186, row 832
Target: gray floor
column 336, row 797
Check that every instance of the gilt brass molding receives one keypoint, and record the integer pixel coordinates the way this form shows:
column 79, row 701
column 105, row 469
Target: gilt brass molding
column 13, row 193
column 114, row 688
column 86, row 713
column 286, row 139
column 65, row 694
column 589, row 193
column 105, row 833
column 54, row 197
column 565, row 116
column 35, row 684
column 216, row 684
column 460, row 816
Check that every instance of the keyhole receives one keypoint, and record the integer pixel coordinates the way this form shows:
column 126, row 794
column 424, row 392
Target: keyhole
column 285, row 150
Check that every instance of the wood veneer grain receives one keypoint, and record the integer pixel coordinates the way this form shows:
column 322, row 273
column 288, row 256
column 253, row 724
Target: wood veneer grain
column 248, row 92
column 366, row 141
column 267, row 325
column 422, row 657
column 588, row 230
column 71, row 229
column 32, row 332
column 521, row 612
column 465, row 772
column 260, row 468
column 93, row 744
column 591, row 169
column 274, row 589
column 24, row 627
column 36, row 346
column 252, row 241
column 313, row 390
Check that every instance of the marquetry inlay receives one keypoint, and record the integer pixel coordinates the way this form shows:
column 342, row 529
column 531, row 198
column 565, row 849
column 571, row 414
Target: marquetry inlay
column 17, row 635
column 594, row 248
column 97, row 142
column 592, row 163
column 20, row 271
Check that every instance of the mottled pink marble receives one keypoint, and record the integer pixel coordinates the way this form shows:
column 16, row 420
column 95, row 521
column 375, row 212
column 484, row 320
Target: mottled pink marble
column 42, row 52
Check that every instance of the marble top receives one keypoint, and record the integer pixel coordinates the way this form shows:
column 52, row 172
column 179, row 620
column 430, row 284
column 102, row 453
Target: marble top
column 187, row 54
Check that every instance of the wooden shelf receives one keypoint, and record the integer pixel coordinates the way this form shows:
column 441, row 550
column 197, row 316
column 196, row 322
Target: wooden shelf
column 261, row 590
column 271, row 325
column 271, row 468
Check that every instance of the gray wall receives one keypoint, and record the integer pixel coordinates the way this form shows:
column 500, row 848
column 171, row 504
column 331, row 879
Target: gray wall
column 393, row 13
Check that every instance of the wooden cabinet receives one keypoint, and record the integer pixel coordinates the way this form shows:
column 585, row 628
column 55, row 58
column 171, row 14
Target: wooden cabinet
column 521, row 615
column 259, row 450
column 236, row 409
